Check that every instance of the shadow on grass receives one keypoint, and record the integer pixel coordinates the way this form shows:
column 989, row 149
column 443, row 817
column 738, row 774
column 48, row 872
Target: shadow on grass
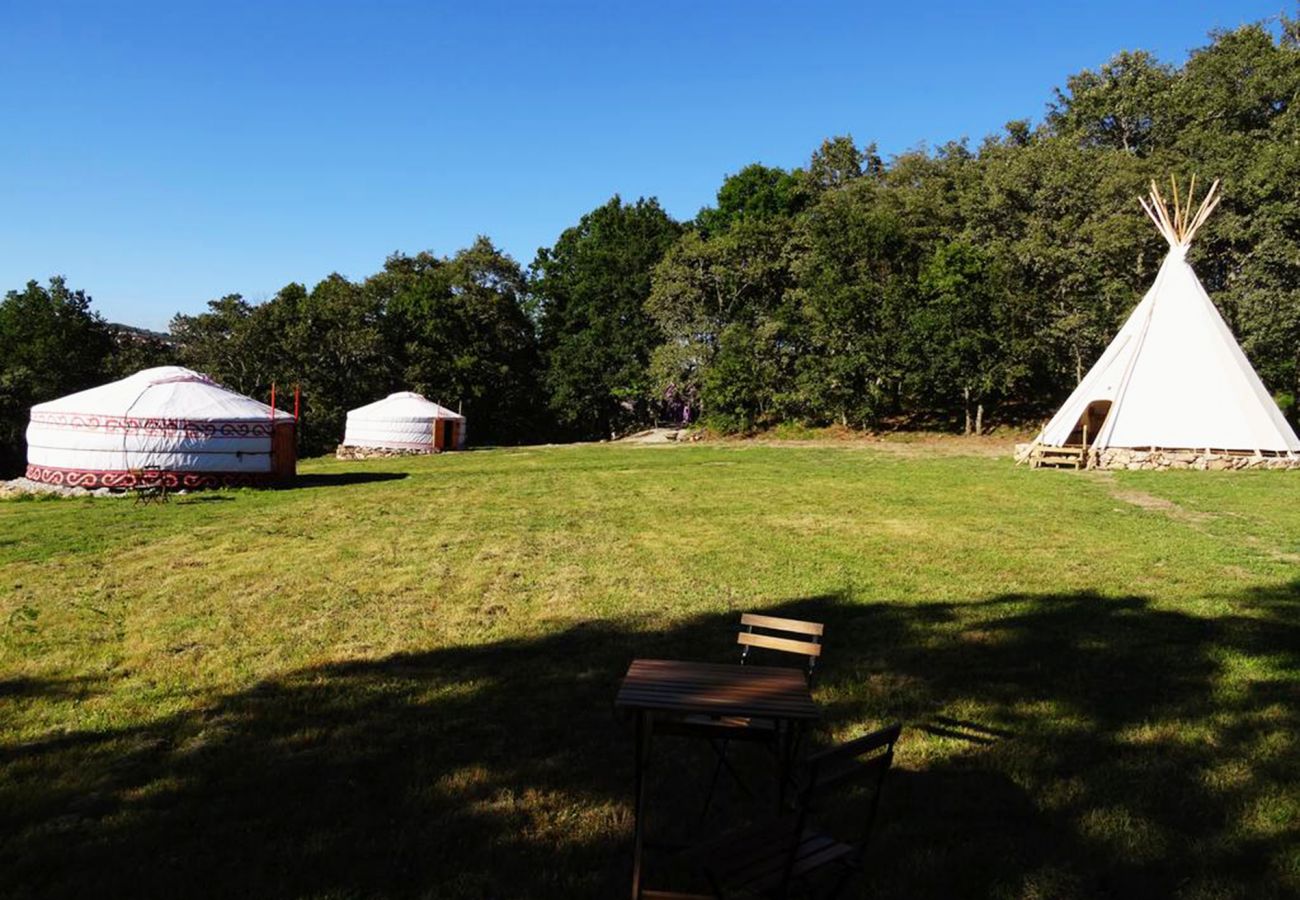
column 1058, row 745
column 339, row 479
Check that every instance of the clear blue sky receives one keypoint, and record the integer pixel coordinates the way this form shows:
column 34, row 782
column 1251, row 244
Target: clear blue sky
column 161, row 155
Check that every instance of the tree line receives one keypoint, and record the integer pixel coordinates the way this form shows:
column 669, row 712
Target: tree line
column 952, row 287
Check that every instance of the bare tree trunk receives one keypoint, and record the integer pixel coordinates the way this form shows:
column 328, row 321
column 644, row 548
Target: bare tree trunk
column 979, row 419
column 965, row 396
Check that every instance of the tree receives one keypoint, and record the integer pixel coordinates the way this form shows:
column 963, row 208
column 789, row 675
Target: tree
column 134, row 351
column 1123, row 105
column 838, row 161
column 756, row 192
column 959, row 330
column 460, row 333
column 596, row 337
column 735, row 282
column 51, row 344
column 230, row 344
column 852, row 273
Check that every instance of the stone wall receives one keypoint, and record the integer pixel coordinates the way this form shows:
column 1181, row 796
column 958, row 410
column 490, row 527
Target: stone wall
column 346, row 452
column 1121, row 458
column 1124, row 458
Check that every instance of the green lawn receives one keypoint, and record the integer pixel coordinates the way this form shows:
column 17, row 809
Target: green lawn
column 396, row 679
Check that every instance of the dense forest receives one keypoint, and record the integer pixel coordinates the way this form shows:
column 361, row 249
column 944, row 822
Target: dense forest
column 954, row 287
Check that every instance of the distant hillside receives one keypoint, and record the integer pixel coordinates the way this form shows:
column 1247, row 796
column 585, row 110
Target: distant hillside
column 140, row 335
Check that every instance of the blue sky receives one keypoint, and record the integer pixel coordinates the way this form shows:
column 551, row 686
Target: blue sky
column 161, row 155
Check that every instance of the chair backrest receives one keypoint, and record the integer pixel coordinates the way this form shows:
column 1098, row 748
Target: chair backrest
column 864, row 760
column 783, row 636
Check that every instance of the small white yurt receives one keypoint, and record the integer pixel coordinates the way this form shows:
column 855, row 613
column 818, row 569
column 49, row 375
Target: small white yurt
column 166, row 422
column 405, row 421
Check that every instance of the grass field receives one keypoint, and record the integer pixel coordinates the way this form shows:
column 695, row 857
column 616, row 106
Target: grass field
column 396, row 679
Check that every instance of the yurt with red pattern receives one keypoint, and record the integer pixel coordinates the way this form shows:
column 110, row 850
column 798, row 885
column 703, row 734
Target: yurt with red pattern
column 167, row 423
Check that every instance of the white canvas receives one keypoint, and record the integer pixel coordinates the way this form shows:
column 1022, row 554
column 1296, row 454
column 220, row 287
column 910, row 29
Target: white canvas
column 401, row 421
column 1176, row 379
column 169, row 417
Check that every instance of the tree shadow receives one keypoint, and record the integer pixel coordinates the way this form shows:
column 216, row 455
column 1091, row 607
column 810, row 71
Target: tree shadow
column 1056, row 745
column 339, row 479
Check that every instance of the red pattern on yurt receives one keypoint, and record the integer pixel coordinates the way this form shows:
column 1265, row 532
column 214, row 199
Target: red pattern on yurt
column 156, row 427
column 87, row 478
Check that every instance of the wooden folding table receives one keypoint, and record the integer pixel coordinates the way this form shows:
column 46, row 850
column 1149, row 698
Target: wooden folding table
column 675, row 688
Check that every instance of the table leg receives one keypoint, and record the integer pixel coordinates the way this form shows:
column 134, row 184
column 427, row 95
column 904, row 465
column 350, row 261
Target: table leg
column 783, row 743
column 791, row 733
column 638, row 814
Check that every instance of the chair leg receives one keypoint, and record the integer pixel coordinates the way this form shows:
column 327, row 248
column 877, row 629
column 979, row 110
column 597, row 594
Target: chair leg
column 842, row 883
column 720, row 750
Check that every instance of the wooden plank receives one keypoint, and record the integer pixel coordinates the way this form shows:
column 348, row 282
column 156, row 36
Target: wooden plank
column 703, row 667
column 703, row 703
column 717, row 689
column 787, row 645
column 795, row 625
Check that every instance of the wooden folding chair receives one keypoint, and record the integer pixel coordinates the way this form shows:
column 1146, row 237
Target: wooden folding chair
column 787, row 637
column 768, row 860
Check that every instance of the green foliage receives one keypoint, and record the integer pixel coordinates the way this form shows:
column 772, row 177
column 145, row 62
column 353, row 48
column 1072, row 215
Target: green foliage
column 852, row 275
column 1121, row 106
column 956, row 285
column 961, row 285
column 756, row 192
column 459, row 332
column 596, row 337
column 51, row 344
column 959, row 329
column 453, row 329
column 735, row 282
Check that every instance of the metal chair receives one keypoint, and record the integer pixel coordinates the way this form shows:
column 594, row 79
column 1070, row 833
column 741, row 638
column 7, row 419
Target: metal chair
column 788, row 637
column 150, row 485
column 769, row 859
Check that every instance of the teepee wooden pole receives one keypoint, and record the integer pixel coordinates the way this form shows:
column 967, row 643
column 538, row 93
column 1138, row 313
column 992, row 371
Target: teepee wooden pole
column 1154, row 218
column 1158, row 204
column 1178, row 216
column 1211, row 200
column 1179, row 226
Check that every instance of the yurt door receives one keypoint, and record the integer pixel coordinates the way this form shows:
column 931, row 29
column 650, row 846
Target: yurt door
column 449, row 435
column 284, row 451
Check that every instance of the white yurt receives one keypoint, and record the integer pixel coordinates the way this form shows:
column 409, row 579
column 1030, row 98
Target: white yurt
column 173, row 422
column 405, row 421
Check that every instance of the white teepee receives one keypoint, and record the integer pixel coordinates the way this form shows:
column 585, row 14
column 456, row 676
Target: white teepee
column 1174, row 377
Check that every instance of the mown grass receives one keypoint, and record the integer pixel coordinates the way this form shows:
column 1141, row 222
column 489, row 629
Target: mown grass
column 396, row 679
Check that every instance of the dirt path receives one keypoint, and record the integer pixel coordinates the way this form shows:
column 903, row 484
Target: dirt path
column 1143, row 500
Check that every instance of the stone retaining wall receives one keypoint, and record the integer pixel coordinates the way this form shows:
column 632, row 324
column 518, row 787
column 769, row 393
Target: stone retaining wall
column 1124, row 458
column 346, row 452
column 1121, row 458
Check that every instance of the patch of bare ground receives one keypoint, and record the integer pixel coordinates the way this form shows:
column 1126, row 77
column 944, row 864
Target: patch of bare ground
column 1143, row 500
column 1171, row 509
column 906, row 444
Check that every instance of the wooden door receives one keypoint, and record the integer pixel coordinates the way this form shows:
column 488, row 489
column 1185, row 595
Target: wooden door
column 284, row 451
